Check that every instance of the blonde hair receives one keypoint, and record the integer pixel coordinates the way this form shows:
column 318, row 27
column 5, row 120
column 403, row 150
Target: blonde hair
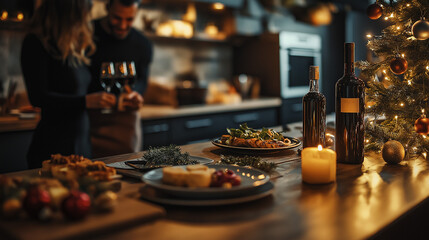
column 65, row 29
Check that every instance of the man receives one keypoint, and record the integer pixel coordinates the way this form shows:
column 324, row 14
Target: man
column 120, row 131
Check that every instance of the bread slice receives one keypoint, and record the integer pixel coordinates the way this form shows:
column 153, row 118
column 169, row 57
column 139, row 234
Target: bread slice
column 197, row 167
column 174, row 176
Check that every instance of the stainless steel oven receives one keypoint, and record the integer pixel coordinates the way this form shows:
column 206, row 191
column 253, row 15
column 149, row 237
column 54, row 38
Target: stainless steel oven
column 281, row 61
column 298, row 51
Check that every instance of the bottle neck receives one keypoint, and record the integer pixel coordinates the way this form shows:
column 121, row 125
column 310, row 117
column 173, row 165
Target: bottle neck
column 314, row 85
column 349, row 68
column 349, row 59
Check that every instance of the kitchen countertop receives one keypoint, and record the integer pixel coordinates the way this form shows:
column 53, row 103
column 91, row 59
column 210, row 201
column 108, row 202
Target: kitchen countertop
column 149, row 112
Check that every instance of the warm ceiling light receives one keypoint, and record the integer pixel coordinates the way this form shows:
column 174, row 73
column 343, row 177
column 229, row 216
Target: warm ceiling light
column 218, row 6
column 3, row 15
column 20, row 16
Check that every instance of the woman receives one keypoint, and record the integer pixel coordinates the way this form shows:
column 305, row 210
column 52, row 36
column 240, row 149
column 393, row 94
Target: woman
column 54, row 64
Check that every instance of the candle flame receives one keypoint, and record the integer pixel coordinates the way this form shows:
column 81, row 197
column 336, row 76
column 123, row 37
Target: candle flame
column 319, row 147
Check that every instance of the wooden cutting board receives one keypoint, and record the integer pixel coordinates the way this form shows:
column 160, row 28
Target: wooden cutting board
column 128, row 213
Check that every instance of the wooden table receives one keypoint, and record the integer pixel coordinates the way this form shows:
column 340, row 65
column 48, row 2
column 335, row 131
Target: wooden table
column 372, row 200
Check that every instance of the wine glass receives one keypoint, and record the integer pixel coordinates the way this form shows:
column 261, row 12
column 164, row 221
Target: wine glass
column 107, row 79
column 121, row 75
column 131, row 66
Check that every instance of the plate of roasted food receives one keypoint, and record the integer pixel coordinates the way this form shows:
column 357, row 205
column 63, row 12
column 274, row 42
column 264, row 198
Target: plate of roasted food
column 258, row 140
column 206, row 181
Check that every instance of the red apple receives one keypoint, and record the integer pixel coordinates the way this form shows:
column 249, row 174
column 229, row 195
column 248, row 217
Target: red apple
column 76, row 205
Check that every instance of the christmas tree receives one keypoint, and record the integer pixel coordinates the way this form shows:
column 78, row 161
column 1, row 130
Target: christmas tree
column 398, row 80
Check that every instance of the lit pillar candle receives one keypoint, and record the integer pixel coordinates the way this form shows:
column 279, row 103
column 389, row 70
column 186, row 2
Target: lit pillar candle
column 318, row 165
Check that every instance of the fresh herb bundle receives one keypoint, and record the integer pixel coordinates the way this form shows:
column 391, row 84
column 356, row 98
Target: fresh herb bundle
column 167, row 155
column 252, row 161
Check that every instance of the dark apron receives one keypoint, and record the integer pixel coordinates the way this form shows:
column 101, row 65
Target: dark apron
column 115, row 133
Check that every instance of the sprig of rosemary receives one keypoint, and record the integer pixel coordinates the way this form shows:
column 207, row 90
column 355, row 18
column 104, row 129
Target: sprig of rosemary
column 167, row 155
column 252, row 161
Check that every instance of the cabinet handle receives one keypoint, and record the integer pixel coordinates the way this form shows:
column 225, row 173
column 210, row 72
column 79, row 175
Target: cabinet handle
column 199, row 123
column 247, row 117
column 158, row 128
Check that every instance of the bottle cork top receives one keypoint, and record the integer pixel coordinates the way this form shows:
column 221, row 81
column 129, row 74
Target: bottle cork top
column 314, row 72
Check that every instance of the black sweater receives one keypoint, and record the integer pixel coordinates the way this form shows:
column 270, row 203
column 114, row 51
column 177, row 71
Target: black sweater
column 59, row 89
column 135, row 47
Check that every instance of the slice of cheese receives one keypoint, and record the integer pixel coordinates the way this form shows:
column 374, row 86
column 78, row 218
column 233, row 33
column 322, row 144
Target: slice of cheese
column 174, row 176
column 199, row 178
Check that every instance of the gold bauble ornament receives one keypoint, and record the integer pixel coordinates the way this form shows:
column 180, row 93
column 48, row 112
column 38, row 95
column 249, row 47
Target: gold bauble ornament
column 393, row 152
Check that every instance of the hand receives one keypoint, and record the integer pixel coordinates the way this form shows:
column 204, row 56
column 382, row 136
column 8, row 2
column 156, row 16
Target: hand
column 100, row 100
column 132, row 100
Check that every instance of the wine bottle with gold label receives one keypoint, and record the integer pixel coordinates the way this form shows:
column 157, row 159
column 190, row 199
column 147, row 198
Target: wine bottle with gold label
column 314, row 113
column 349, row 112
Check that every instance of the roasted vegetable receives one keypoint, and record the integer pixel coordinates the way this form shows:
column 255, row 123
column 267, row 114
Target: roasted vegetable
column 249, row 137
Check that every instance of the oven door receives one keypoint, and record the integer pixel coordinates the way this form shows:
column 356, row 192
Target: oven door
column 294, row 67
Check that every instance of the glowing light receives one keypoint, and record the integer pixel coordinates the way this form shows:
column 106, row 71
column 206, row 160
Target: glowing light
column 427, row 68
column 369, row 36
column 403, row 55
column 392, row 15
column 396, row 117
column 20, row 16
column 367, row 140
column 218, row 6
column 386, row 78
column 384, row 71
column 425, row 154
column 409, row 82
column 319, row 147
column 386, row 18
column 424, row 136
column 402, row 104
column 408, row 4
column 4, row 15
column 423, row 111
column 398, row 27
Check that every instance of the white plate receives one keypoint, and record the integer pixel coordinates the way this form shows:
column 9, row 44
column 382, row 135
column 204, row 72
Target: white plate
column 250, row 179
column 153, row 195
column 122, row 165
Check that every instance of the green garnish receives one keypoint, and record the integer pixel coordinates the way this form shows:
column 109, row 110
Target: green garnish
column 252, row 161
column 246, row 132
column 167, row 155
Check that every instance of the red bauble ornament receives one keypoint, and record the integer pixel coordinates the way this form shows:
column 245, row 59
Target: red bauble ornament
column 422, row 125
column 35, row 201
column 374, row 11
column 76, row 206
column 398, row 65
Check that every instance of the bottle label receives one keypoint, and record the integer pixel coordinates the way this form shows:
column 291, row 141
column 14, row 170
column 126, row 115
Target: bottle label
column 349, row 105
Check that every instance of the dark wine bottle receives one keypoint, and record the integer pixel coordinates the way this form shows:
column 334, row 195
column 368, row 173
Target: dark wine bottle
column 349, row 112
column 314, row 113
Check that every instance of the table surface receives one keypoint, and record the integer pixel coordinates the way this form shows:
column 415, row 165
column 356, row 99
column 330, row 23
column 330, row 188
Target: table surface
column 365, row 199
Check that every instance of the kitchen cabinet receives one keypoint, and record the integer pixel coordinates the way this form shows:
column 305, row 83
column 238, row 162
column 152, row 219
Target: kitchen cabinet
column 13, row 150
column 190, row 129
